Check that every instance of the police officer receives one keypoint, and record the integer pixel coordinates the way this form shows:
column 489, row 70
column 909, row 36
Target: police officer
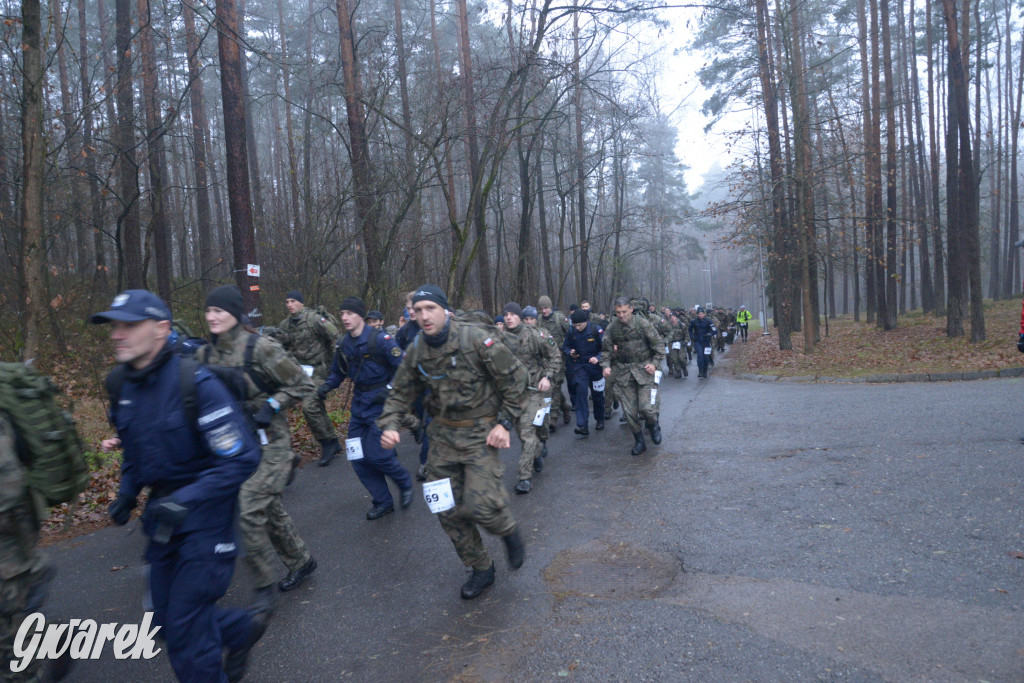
column 274, row 383
column 582, row 345
column 535, row 349
column 375, row 319
column 310, row 338
column 477, row 391
column 703, row 333
column 632, row 351
column 368, row 357
column 193, row 465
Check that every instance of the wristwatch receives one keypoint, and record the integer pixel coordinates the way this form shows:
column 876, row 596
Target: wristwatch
column 507, row 424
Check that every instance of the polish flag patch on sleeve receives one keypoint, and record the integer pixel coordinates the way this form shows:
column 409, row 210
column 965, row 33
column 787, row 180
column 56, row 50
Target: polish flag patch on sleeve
column 488, row 342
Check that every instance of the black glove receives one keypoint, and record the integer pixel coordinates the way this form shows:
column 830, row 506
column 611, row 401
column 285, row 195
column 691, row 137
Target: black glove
column 120, row 510
column 322, row 391
column 264, row 415
column 1020, row 343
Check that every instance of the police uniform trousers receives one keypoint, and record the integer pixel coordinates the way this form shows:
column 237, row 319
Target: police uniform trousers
column 461, row 454
column 315, row 411
column 635, row 396
column 267, row 530
column 530, row 434
column 186, row 579
column 702, row 358
column 585, row 375
column 377, row 463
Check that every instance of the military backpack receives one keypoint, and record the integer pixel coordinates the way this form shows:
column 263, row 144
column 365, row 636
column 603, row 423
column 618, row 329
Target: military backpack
column 47, row 441
column 329, row 317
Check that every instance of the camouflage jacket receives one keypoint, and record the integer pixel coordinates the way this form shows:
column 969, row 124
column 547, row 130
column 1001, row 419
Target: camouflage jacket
column 471, row 375
column 535, row 349
column 557, row 325
column 309, row 337
column 677, row 333
column 631, row 346
column 19, row 526
column 276, row 369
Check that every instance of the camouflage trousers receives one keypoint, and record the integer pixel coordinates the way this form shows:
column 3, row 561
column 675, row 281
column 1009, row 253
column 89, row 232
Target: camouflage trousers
column 463, row 456
column 559, row 403
column 532, row 436
column 677, row 359
column 315, row 411
column 635, row 399
column 14, row 596
column 266, row 529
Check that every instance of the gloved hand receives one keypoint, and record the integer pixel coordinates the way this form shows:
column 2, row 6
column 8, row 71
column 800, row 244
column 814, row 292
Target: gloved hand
column 120, row 510
column 1020, row 343
column 322, row 391
column 264, row 415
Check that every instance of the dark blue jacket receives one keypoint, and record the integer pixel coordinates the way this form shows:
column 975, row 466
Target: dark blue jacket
column 407, row 333
column 586, row 344
column 370, row 372
column 203, row 464
column 702, row 331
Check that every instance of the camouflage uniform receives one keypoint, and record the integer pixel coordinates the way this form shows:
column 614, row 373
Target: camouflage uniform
column 537, row 351
column 557, row 325
column 627, row 347
column 677, row 356
column 267, row 530
column 310, row 338
column 474, row 380
column 23, row 568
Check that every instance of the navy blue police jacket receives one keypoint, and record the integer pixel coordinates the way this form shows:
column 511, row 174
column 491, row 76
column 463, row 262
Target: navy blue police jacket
column 200, row 465
column 701, row 331
column 587, row 345
column 369, row 372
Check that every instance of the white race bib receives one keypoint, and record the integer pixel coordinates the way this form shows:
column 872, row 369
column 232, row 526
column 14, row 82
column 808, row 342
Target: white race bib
column 354, row 449
column 677, row 345
column 538, row 419
column 654, row 395
column 707, row 350
column 666, row 349
column 308, row 369
column 438, row 495
column 547, row 406
column 657, row 376
column 598, row 385
column 262, row 433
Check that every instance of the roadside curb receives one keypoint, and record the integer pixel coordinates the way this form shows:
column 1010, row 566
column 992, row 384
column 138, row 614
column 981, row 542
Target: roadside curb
column 888, row 378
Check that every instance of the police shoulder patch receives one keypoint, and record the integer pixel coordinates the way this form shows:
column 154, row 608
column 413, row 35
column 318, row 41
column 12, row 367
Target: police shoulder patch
column 387, row 336
column 225, row 440
column 396, row 352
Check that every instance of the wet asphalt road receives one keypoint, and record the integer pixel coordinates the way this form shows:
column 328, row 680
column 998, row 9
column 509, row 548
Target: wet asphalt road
column 781, row 532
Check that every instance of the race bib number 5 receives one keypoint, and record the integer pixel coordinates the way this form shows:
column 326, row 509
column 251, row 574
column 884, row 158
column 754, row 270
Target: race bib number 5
column 438, row 495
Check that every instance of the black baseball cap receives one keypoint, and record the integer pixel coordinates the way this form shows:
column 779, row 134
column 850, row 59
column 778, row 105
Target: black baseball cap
column 133, row 305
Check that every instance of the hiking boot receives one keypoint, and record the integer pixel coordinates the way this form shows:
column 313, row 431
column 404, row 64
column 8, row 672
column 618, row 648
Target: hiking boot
column 515, row 550
column 237, row 660
column 639, row 446
column 297, row 576
column 477, row 582
column 655, row 430
column 378, row 511
column 600, row 425
column 421, row 472
column 330, row 450
column 406, row 498
column 524, row 486
column 538, row 464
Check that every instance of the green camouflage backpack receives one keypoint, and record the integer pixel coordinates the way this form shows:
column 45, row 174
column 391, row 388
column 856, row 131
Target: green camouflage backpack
column 48, row 443
column 323, row 313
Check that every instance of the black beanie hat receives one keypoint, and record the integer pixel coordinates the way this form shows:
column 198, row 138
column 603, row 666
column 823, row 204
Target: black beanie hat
column 354, row 304
column 513, row 307
column 579, row 316
column 295, row 294
column 228, row 298
column 431, row 293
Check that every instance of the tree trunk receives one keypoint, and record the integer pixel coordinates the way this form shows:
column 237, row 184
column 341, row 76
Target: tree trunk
column 130, row 272
column 243, row 234
column 199, row 125
column 32, row 258
column 891, row 254
column 933, row 148
column 89, row 157
column 581, row 187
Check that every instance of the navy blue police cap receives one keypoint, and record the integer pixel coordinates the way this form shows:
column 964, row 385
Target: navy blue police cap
column 133, row 305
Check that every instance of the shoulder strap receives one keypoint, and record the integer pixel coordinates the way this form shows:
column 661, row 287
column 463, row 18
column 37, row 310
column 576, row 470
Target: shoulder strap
column 187, row 382
column 113, row 384
column 250, row 352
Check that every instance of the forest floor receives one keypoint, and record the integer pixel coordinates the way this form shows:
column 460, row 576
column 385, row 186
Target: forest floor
column 918, row 345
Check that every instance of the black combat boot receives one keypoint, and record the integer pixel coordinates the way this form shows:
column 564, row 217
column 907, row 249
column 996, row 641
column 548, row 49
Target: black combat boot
column 264, row 600
column 583, row 431
column 538, row 464
column 600, row 425
column 477, row 582
column 330, row 450
column 238, row 659
column 686, row 373
column 638, row 447
column 297, row 576
column 655, row 430
column 515, row 549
